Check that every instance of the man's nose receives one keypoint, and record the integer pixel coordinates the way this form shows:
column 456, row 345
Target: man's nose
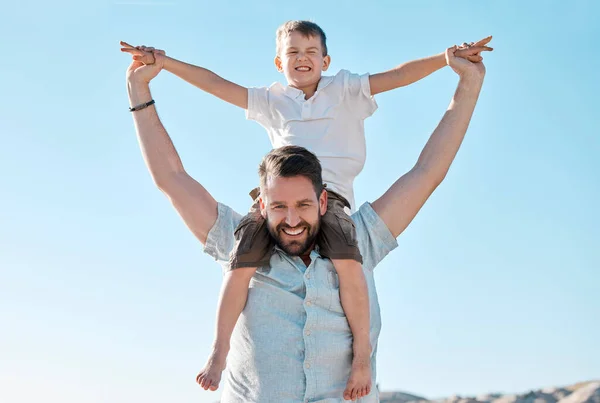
column 292, row 218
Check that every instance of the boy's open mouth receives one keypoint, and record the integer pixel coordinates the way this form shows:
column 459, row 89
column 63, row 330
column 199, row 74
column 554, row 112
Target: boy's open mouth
column 303, row 68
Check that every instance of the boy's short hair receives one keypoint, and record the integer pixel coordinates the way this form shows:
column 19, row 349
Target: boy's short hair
column 306, row 28
column 290, row 161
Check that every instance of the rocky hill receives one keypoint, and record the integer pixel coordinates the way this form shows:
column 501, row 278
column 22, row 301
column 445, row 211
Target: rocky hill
column 584, row 392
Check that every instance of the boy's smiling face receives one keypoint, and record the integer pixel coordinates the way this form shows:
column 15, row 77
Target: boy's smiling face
column 301, row 60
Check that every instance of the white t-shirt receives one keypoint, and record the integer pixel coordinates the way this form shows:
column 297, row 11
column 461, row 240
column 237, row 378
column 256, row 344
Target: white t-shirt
column 329, row 124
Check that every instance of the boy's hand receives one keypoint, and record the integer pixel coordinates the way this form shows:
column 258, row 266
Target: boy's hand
column 142, row 54
column 471, row 51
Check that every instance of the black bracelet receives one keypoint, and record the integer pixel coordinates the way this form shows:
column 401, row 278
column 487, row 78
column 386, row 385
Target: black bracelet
column 141, row 106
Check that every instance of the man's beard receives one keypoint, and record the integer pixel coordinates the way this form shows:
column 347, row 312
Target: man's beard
column 296, row 247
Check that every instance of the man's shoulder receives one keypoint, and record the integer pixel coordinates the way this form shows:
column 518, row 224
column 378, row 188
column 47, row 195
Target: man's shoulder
column 226, row 218
column 366, row 218
column 375, row 240
column 220, row 239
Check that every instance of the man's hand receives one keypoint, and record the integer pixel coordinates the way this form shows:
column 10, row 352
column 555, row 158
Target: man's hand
column 146, row 64
column 471, row 51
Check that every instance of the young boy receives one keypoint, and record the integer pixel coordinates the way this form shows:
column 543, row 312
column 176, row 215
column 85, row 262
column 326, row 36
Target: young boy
column 325, row 115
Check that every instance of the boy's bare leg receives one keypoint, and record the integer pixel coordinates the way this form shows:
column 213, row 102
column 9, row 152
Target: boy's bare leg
column 232, row 300
column 355, row 301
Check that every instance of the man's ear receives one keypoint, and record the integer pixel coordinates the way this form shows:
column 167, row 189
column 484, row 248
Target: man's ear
column 323, row 202
column 326, row 62
column 278, row 64
column 263, row 207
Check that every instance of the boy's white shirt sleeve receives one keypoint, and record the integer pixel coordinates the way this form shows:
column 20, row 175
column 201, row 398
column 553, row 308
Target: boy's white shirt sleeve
column 357, row 93
column 258, row 105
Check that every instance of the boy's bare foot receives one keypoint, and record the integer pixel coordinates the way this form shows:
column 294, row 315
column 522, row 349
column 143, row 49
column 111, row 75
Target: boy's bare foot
column 359, row 384
column 210, row 376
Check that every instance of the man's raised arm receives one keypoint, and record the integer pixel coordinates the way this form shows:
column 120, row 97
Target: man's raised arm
column 193, row 203
column 399, row 205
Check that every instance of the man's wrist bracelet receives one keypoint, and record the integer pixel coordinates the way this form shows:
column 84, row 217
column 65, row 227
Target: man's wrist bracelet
column 141, row 106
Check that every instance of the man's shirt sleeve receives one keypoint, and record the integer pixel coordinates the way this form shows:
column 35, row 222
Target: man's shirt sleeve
column 374, row 237
column 220, row 240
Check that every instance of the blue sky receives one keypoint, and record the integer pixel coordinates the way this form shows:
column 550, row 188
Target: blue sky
column 106, row 297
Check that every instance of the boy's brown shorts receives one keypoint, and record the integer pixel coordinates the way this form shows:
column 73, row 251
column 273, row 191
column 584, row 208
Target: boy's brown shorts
column 254, row 245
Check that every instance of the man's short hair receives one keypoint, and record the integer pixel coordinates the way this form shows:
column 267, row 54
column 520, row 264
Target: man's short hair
column 306, row 28
column 290, row 161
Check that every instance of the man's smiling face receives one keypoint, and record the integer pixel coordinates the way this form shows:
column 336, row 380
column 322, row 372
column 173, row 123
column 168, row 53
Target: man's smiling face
column 293, row 212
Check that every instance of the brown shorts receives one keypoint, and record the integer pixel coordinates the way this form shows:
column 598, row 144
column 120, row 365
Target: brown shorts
column 337, row 236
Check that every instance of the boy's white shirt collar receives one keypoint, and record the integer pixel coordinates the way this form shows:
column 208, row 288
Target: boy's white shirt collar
column 294, row 93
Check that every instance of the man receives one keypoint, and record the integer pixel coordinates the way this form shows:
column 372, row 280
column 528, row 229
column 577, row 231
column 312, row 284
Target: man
column 292, row 342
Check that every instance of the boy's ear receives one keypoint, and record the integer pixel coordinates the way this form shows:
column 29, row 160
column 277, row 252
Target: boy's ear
column 278, row 64
column 326, row 62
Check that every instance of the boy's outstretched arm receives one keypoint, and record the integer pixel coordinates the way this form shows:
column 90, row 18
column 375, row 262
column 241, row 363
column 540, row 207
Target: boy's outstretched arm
column 410, row 72
column 200, row 77
column 208, row 81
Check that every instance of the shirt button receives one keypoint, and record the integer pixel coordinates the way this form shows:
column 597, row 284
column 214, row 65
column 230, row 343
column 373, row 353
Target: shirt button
column 308, row 332
column 307, row 276
column 307, row 365
column 308, row 303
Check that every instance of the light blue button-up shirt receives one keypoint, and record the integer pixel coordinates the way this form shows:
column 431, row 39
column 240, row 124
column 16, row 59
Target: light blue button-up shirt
column 292, row 342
